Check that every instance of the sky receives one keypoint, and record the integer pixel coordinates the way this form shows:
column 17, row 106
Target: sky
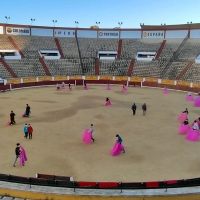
column 108, row 12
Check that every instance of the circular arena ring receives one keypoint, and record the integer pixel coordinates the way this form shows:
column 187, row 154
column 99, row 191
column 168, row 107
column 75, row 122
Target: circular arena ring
column 158, row 162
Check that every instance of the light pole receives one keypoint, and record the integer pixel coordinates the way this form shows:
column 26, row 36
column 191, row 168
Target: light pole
column 32, row 20
column 54, row 21
column 76, row 24
column 97, row 23
column 7, row 18
column 120, row 24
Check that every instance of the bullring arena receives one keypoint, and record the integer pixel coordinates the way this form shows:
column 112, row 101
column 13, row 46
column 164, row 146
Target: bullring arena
column 158, row 162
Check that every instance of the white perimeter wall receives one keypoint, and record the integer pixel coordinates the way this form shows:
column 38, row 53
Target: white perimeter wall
column 130, row 34
column 1, row 30
column 176, row 34
column 41, row 32
column 195, row 33
column 86, row 34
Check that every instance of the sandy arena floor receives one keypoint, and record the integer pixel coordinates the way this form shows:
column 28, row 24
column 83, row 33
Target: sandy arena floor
column 154, row 149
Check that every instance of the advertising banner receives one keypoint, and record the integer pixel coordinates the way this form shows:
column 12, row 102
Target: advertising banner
column 121, row 78
column 29, row 80
column 75, row 77
column 13, row 81
column 136, row 79
column 167, row 82
column 91, row 78
column 64, row 33
column 17, row 31
column 46, row 78
column 196, row 85
column 155, row 80
column 106, row 78
column 60, row 78
column 183, row 83
column 153, row 34
column 108, row 34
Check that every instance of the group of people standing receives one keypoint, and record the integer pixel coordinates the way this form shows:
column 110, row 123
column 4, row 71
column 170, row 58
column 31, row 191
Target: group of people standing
column 144, row 108
column 87, row 138
column 28, row 131
column 63, row 86
column 191, row 131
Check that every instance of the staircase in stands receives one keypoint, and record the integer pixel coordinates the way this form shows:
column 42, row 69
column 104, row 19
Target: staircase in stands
column 131, row 67
column 45, row 67
column 15, row 45
column 59, row 48
column 160, row 49
column 8, row 67
column 119, row 50
column 184, row 71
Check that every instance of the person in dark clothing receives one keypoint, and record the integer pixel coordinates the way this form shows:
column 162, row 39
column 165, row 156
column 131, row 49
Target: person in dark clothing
column 107, row 99
column 134, row 107
column 91, row 130
column 186, row 122
column 119, row 140
column 28, row 108
column 69, row 85
column 144, row 108
column 186, row 111
column 17, row 153
column 12, row 118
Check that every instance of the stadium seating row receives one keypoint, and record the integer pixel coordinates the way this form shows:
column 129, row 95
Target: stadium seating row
column 73, row 64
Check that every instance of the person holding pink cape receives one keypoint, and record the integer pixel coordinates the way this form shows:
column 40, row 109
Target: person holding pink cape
column 108, row 103
column 85, row 86
column 165, row 91
column 183, row 116
column 63, row 85
column 193, row 133
column 118, row 147
column 21, row 154
column 87, row 135
column 184, row 127
column 108, row 87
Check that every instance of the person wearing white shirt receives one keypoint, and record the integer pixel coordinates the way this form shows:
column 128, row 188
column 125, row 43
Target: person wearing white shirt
column 195, row 126
column 91, row 130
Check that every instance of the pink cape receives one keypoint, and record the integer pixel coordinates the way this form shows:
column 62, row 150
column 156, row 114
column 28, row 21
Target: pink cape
column 165, row 91
column 108, row 103
column 117, row 149
column 108, row 87
column 197, row 102
column 24, row 114
column 87, row 137
column 70, row 88
column 86, row 87
column 189, row 98
column 124, row 90
column 23, row 157
column 182, row 117
column 183, row 129
column 63, row 86
column 8, row 123
column 192, row 135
